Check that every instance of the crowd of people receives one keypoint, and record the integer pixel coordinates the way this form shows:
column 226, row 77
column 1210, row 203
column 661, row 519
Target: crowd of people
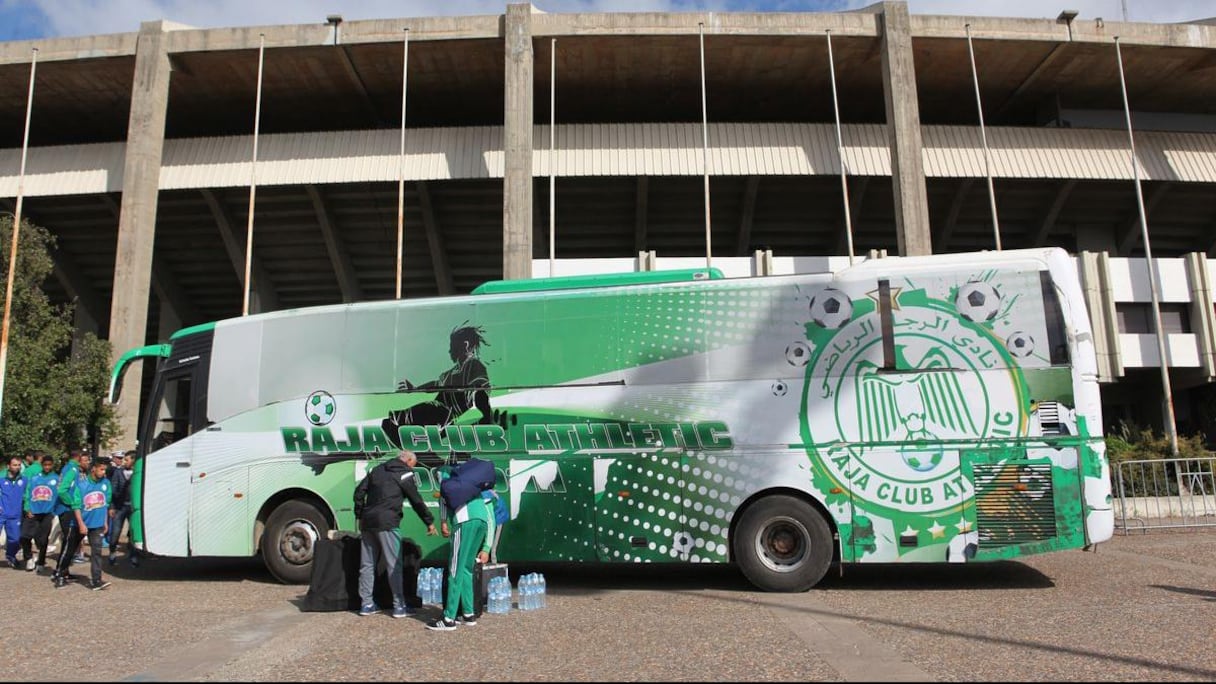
column 84, row 500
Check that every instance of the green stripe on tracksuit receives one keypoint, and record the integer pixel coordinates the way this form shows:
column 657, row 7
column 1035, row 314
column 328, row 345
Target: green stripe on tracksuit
column 474, row 528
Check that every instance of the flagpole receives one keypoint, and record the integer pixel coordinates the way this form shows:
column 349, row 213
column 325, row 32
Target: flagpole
column 705, row 146
column 975, row 79
column 1171, row 428
column 844, row 178
column 253, row 167
column 552, row 156
column 405, row 67
column 12, row 252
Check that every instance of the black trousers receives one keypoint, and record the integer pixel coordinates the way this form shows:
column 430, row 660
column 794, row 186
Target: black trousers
column 96, row 541
column 36, row 530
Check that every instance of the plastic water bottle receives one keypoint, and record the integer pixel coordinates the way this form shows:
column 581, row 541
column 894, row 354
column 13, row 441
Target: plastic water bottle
column 429, row 586
column 530, row 579
column 540, row 590
column 437, row 586
column 525, row 593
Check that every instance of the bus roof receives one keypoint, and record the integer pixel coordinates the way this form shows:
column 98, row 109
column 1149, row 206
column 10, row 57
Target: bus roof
column 596, row 280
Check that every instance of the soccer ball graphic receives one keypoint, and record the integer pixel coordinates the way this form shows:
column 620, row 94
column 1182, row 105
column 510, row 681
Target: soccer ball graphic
column 320, row 408
column 1020, row 345
column 921, row 460
column 780, row 388
column 797, row 354
column 831, row 309
column 978, row 301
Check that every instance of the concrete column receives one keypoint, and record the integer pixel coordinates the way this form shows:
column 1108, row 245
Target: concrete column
column 82, row 323
column 903, row 126
column 1094, row 269
column 517, row 145
column 137, row 217
column 1203, row 318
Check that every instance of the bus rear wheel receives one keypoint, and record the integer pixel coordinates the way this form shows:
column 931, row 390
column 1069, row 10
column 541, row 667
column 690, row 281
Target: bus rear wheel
column 290, row 539
column 782, row 544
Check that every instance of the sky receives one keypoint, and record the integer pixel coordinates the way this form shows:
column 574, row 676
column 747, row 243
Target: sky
column 31, row 19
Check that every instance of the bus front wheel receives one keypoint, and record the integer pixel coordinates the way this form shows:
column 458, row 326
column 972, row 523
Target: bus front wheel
column 782, row 544
column 290, row 538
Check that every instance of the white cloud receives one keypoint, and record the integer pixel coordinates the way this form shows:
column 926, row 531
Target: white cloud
column 84, row 17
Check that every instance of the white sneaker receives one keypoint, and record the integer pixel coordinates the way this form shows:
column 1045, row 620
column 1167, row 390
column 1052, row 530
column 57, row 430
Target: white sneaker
column 29, row 565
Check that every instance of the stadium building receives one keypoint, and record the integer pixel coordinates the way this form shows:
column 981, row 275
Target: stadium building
column 141, row 154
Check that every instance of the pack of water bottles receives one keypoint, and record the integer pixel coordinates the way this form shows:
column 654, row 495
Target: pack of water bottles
column 430, row 585
column 532, row 591
column 499, row 595
column 530, row 594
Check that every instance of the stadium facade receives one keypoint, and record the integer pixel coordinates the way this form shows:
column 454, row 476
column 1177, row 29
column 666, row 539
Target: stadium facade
column 141, row 146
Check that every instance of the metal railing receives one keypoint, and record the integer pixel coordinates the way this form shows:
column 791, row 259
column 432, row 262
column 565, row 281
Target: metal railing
column 1165, row 493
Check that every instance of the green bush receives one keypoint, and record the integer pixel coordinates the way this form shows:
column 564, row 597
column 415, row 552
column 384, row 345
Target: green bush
column 1135, row 443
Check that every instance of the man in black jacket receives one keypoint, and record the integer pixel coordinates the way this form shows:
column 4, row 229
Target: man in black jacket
column 378, row 506
column 120, row 508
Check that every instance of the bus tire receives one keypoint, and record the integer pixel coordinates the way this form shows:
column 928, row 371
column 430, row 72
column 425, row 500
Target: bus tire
column 782, row 544
column 290, row 538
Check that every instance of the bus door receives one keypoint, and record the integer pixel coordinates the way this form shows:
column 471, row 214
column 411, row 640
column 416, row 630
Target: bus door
column 639, row 507
column 167, row 464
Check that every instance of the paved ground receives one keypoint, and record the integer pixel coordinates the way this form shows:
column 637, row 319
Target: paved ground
column 1141, row 608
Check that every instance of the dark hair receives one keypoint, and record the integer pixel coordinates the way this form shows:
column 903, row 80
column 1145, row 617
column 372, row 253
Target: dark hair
column 47, row 458
column 129, row 452
column 102, row 461
column 472, row 335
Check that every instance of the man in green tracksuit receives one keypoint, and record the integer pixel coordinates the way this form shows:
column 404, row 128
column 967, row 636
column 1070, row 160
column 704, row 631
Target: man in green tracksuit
column 471, row 539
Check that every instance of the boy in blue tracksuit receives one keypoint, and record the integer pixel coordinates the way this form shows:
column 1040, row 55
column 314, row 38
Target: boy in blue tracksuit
column 12, row 496
column 91, row 511
column 39, row 506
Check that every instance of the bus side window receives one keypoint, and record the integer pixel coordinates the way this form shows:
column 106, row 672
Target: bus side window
column 1053, row 318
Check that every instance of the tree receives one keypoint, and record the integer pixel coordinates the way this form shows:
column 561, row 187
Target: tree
column 53, row 397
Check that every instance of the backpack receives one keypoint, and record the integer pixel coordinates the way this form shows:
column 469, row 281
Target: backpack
column 466, row 481
column 501, row 514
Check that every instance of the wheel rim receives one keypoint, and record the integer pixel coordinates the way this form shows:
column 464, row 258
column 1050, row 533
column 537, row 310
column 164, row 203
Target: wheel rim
column 297, row 541
column 783, row 544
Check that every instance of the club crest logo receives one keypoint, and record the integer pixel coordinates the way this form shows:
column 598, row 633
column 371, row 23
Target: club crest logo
column 892, row 436
column 41, row 493
column 93, row 500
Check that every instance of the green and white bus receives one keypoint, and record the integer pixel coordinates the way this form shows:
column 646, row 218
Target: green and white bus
column 920, row 409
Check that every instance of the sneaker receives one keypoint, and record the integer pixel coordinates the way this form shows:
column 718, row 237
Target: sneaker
column 403, row 611
column 59, row 582
column 442, row 625
column 79, row 558
column 113, row 559
column 12, row 562
column 29, row 565
column 468, row 620
column 369, row 609
column 134, row 561
column 98, row 586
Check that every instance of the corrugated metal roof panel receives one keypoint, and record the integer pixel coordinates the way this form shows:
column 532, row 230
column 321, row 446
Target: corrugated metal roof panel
column 673, row 149
column 64, row 170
